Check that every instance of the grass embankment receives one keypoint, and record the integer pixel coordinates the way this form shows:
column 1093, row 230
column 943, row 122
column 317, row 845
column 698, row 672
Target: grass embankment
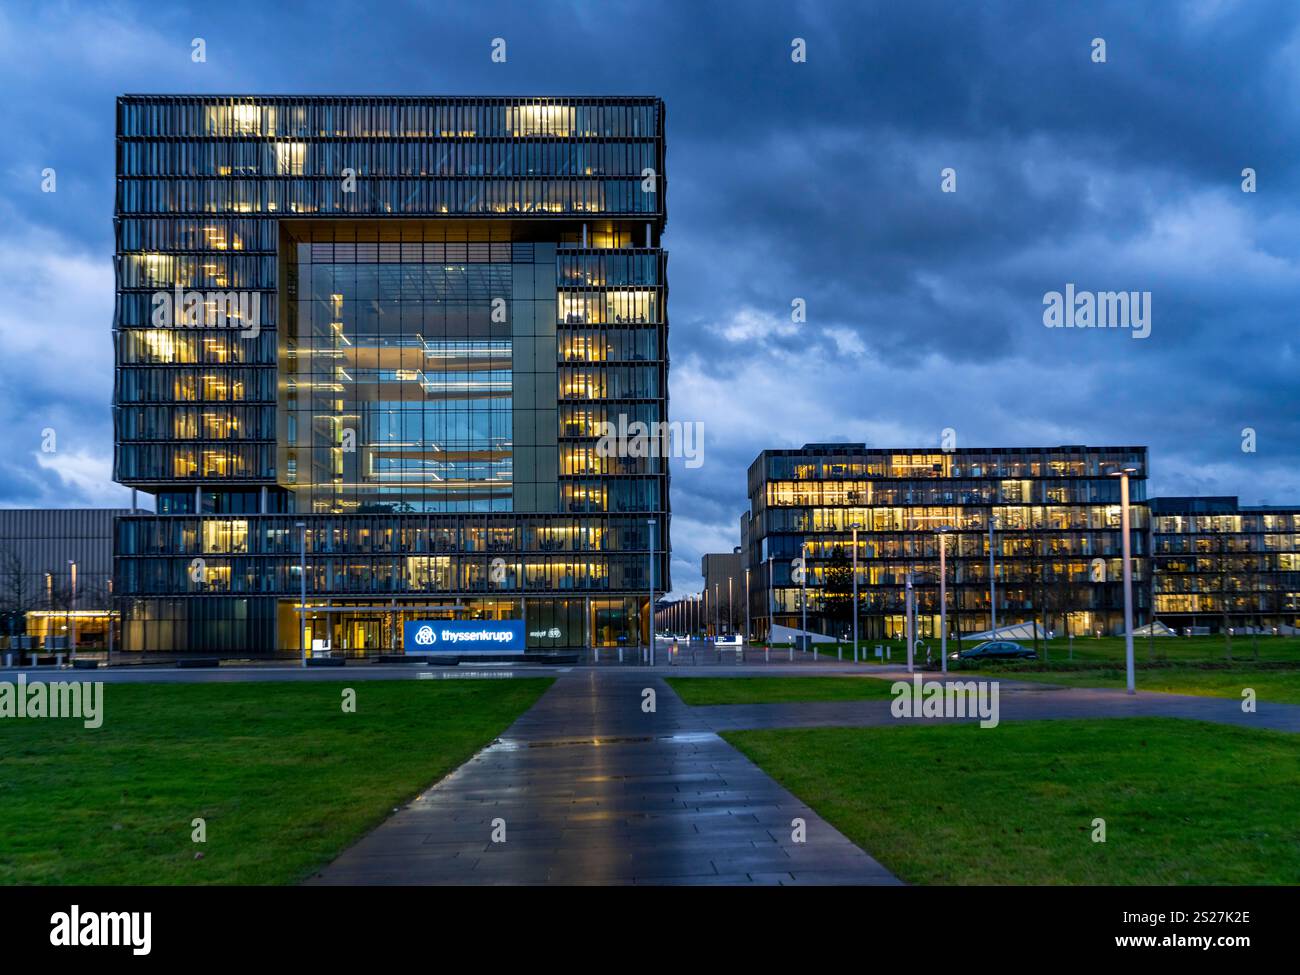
column 284, row 779
column 1183, row 802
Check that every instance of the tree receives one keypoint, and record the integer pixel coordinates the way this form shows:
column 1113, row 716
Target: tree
column 17, row 594
column 837, row 590
column 1224, row 584
column 1063, row 595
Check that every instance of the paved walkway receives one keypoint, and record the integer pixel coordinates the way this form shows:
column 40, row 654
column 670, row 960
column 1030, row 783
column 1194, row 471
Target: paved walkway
column 592, row 789
column 1017, row 701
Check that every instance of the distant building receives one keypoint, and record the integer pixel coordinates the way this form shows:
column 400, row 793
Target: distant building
column 56, row 570
column 724, row 593
column 1223, row 565
column 1054, row 515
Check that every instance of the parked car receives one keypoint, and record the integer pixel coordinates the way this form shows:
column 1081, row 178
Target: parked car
column 995, row 650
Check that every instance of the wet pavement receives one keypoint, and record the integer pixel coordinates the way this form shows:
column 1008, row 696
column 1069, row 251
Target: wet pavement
column 1017, row 701
column 589, row 788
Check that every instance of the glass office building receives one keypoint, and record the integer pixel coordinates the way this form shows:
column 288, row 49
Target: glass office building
column 1055, row 540
column 402, row 322
column 1220, row 565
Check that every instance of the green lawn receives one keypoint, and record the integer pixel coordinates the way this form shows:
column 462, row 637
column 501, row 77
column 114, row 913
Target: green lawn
column 1281, row 685
column 1184, row 802
column 1195, row 649
column 697, row 691
column 1105, row 649
column 284, row 778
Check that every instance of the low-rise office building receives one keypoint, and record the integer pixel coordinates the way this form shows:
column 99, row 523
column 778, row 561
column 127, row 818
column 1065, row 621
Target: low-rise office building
column 1032, row 534
column 56, row 571
column 724, row 593
column 1220, row 565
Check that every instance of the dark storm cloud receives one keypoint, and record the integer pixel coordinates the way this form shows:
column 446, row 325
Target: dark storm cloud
column 817, row 181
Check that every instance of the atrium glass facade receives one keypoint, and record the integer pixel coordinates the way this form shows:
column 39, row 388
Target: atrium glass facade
column 1056, row 539
column 402, row 322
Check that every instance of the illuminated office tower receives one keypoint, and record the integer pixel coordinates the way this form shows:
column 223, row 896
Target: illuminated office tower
column 401, row 321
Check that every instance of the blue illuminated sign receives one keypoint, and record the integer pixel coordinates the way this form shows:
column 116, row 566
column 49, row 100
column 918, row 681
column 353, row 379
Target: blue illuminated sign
column 463, row 636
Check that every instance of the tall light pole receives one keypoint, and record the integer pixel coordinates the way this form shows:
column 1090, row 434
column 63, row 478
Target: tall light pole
column 110, row 622
column 717, row 610
column 909, row 620
column 651, row 608
column 993, row 595
column 943, row 595
column 1126, row 544
column 855, row 527
column 771, row 599
column 72, row 605
column 746, row 606
column 302, row 605
column 803, row 581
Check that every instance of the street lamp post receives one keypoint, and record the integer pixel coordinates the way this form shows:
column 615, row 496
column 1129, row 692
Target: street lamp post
column 110, row 622
column 855, row 526
column 771, row 600
column 909, row 621
column 803, row 581
column 746, row 607
column 302, row 605
column 993, row 596
column 72, row 605
column 651, row 607
column 1126, row 548
column 943, row 596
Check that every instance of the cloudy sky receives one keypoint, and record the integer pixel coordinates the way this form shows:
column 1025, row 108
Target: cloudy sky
column 818, row 181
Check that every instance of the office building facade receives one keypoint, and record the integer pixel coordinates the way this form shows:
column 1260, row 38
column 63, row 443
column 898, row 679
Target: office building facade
column 402, row 323
column 724, row 593
column 1056, row 539
column 1219, row 565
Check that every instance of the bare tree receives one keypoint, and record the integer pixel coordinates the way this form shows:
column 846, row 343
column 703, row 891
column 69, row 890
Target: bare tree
column 17, row 594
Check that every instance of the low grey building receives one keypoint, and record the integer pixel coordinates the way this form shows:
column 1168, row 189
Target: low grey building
column 56, row 567
column 724, row 593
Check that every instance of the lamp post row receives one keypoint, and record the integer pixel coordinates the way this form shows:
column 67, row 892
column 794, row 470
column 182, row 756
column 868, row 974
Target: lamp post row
column 910, row 623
